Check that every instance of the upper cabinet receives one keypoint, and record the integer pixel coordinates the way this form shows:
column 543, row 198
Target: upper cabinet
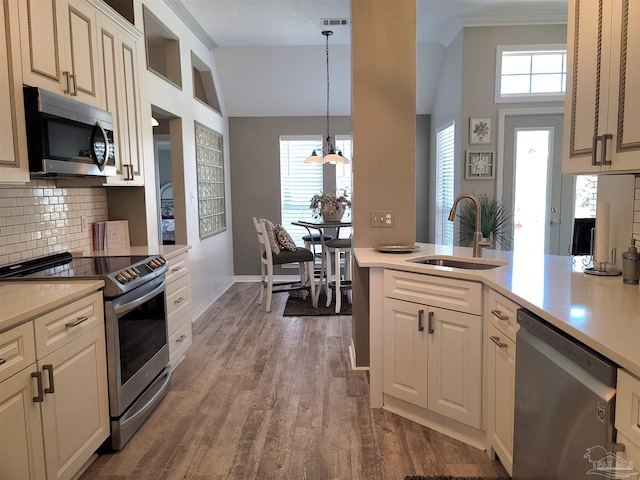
column 14, row 166
column 59, row 48
column 119, row 82
column 602, row 119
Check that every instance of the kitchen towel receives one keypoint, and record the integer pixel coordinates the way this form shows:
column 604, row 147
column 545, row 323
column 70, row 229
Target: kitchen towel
column 602, row 233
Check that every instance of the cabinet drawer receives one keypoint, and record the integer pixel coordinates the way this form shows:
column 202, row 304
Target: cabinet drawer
column 628, row 406
column 179, row 342
column 502, row 313
column 17, row 350
column 449, row 293
column 178, row 266
column 178, row 298
column 67, row 323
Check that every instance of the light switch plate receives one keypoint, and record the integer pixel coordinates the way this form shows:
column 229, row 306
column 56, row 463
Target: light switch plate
column 381, row 218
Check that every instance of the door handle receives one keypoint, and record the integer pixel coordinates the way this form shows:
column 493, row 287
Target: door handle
column 49, row 369
column 431, row 330
column 421, row 320
column 594, row 151
column 497, row 341
column 605, row 140
column 40, row 397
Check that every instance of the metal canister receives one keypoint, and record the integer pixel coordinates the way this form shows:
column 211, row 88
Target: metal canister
column 631, row 265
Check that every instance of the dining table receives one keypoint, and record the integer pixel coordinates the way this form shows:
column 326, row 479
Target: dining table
column 325, row 228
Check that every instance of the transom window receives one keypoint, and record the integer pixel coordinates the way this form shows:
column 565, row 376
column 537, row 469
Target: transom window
column 531, row 73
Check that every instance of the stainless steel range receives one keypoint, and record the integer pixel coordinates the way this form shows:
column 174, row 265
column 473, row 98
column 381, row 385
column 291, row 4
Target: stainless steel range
column 135, row 328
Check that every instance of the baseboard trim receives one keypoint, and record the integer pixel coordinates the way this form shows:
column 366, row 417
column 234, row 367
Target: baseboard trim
column 352, row 357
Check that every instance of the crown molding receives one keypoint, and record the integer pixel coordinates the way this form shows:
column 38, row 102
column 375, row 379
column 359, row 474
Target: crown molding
column 494, row 20
column 191, row 22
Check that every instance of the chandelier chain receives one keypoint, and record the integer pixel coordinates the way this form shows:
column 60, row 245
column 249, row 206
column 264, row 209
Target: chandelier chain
column 327, row 55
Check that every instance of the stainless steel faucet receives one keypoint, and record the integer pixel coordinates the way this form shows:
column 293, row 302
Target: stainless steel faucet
column 477, row 236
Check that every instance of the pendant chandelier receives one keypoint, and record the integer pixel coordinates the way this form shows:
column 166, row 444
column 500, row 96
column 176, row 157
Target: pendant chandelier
column 328, row 154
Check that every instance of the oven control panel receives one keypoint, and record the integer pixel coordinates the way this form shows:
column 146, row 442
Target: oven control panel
column 140, row 270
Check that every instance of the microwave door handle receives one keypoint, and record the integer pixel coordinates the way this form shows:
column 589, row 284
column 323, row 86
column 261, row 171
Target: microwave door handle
column 97, row 127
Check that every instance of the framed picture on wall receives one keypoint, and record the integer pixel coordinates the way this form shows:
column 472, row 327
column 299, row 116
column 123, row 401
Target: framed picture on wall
column 479, row 166
column 479, row 130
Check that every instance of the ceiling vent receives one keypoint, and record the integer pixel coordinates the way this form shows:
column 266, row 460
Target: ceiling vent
column 334, row 22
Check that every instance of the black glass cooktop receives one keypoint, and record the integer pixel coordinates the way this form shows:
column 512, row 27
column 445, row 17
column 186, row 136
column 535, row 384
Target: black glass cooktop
column 64, row 265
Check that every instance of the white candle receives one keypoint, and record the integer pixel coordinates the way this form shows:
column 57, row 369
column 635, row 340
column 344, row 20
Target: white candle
column 602, row 233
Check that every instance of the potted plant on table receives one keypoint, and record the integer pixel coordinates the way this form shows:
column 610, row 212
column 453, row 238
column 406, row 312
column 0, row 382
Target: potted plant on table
column 330, row 206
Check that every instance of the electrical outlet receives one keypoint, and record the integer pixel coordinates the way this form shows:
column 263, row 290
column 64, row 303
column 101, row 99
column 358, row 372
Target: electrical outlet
column 381, row 218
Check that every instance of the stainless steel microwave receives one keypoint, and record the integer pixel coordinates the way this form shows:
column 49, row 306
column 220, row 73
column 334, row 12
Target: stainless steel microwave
column 66, row 137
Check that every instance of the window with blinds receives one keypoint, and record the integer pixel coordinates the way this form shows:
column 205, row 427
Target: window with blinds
column 445, row 141
column 299, row 181
column 343, row 176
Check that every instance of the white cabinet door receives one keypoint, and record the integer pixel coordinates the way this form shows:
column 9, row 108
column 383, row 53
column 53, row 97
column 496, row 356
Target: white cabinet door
column 59, row 49
column 14, row 165
column 405, row 351
column 602, row 122
column 455, row 365
column 75, row 416
column 501, row 358
column 119, row 75
column 21, row 447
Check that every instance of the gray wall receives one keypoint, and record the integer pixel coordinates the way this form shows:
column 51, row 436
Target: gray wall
column 447, row 107
column 423, row 126
column 478, row 84
column 254, row 143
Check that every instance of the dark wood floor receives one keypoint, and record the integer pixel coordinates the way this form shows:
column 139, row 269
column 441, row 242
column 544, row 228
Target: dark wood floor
column 261, row 396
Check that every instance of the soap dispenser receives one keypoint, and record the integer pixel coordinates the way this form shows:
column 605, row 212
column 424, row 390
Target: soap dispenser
column 631, row 265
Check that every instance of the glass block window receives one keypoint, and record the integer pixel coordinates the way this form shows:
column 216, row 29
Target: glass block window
column 531, row 73
column 210, row 171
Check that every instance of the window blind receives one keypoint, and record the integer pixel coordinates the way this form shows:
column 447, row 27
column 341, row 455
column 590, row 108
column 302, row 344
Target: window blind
column 445, row 142
column 299, row 181
column 343, row 176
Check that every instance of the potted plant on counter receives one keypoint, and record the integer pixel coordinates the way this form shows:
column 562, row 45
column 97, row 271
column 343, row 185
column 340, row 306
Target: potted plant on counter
column 495, row 221
column 330, row 206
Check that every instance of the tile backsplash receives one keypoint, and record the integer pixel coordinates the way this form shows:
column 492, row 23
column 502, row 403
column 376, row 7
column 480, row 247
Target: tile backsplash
column 39, row 219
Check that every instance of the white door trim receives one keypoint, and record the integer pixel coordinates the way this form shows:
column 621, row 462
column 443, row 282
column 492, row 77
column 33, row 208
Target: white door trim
column 503, row 113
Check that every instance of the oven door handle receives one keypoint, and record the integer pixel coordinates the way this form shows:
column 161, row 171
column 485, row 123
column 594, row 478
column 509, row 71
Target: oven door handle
column 139, row 301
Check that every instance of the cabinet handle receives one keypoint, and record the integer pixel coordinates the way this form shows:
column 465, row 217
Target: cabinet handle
column 421, row 320
column 181, row 339
column 72, row 85
column 177, row 269
column 499, row 315
column 594, row 151
column 180, row 300
column 431, row 330
column 3, row 361
column 49, row 369
column 76, row 322
column 66, row 82
column 497, row 341
column 40, row 397
column 605, row 139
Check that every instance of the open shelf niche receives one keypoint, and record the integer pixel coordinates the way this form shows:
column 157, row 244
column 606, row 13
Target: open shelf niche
column 204, row 87
column 163, row 49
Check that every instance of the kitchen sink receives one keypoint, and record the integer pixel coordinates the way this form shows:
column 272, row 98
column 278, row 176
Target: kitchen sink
column 459, row 262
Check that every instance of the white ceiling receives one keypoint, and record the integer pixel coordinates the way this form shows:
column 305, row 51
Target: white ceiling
column 233, row 23
column 270, row 53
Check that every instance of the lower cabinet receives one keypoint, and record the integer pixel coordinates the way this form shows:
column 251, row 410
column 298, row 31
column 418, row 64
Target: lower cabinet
column 56, row 409
column 500, row 345
column 628, row 421
column 432, row 356
column 178, row 307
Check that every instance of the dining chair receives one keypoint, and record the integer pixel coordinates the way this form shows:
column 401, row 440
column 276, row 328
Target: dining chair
column 268, row 258
column 337, row 249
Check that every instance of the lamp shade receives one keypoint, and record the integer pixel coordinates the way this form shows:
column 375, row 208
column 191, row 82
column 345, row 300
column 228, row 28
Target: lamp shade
column 335, row 158
column 314, row 158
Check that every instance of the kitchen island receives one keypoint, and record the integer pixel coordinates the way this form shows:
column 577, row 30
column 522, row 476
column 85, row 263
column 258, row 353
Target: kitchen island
column 443, row 339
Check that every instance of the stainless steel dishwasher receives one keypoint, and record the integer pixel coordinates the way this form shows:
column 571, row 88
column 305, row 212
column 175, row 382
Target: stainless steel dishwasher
column 564, row 404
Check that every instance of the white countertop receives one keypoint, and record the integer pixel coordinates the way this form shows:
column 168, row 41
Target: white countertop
column 601, row 312
column 23, row 301
column 167, row 251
